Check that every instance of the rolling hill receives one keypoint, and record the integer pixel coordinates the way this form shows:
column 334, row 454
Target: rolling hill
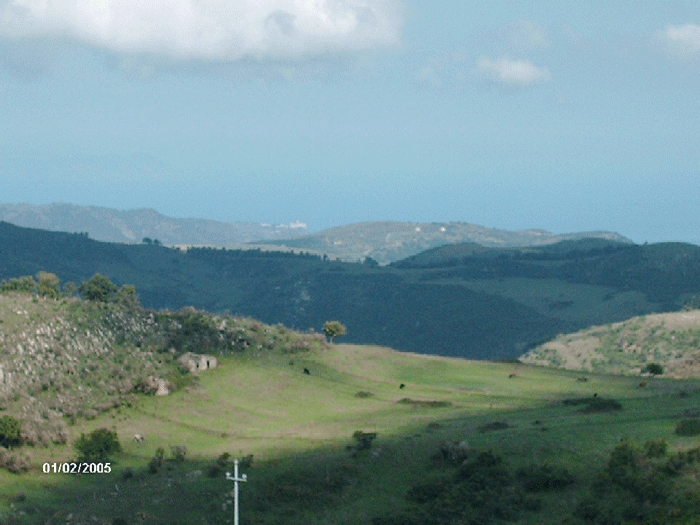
column 670, row 340
column 387, row 242
column 485, row 303
column 382, row 241
column 110, row 225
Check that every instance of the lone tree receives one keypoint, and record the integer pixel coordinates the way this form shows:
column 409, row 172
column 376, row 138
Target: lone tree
column 334, row 329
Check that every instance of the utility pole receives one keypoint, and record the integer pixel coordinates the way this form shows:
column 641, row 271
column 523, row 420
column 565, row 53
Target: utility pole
column 235, row 480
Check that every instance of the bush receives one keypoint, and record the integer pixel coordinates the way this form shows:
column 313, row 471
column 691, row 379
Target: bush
column 223, row 459
column 13, row 461
column 655, row 448
column 496, row 425
column 594, row 404
column 485, row 471
column 427, row 490
column 99, row 445
column 99, row 288
column 537, row 478
column 20, row 284
column 157, row 460
column 178, row 452
column 654, row 369
column 246, row 461
column 363, row 440
column 10, row 431
column 688, row 427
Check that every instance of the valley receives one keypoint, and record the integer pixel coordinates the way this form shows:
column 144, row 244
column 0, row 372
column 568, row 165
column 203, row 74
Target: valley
column 295, row 429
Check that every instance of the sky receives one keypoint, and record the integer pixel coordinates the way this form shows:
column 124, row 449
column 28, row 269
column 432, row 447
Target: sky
column 564, row 116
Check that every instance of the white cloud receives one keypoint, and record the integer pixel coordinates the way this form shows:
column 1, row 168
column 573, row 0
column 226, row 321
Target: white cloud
column 684, row 39
column 213, row 30
column 517, row 73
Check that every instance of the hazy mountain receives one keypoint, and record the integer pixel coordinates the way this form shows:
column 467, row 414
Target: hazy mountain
column 111, row 225
column 391, row 241
column 384, row 242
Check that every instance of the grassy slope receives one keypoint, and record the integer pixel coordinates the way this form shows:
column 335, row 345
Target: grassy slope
column 671, row 340
column 298, row 425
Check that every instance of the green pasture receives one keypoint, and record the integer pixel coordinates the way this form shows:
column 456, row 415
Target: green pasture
column 298, row 427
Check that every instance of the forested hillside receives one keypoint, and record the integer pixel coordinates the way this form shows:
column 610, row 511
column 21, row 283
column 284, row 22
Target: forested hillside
column 462, row 300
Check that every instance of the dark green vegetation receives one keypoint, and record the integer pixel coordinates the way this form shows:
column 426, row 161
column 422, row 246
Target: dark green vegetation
column 100, row 445
column 464, row 300
column 461, row 442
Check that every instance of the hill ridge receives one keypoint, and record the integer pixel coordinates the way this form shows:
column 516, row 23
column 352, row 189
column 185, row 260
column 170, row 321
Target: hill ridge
column 131, row 226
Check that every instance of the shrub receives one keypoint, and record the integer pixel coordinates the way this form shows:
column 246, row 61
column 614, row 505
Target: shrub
column 427, row 490
column 157, row 460
column 223, row 459
column 688, row 427
column 363, row 440
column 20, row 284
column 99, row 288
column 246, row 461
column 10, row 431
column 423, row 403
column 654, row 369
column 178, row 452
column 594, row 404
column 496, row 425
column 537, row 478
column 655, row 448
column 49, row 284
column 13, row 461
column 588, row 509
column 99, row 445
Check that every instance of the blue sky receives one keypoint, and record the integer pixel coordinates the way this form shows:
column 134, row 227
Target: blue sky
column 565, row 116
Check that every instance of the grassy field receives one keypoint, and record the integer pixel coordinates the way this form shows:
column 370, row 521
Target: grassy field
column 298, row 427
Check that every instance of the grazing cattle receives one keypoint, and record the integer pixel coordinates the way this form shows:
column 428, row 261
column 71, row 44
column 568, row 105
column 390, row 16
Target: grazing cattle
column 642, row 384
column 138, row 438
column 511, row 376
column 306, row 371
column 402, row 386
column 582, row 379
